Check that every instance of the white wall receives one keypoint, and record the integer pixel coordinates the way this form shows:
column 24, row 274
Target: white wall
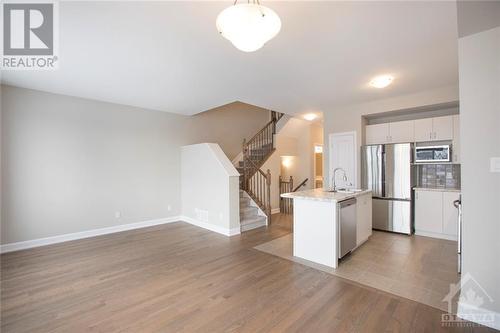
column 350, row 117
column 210, row 188
column 479, row 73
column 295, row 138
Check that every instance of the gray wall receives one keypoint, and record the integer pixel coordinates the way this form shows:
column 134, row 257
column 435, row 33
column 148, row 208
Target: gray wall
column 476, row 16
column 227, row 126
column 68, row 164
column 479, row 74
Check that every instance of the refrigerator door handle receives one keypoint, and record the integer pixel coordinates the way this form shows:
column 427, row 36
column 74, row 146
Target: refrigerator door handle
column 384, row 164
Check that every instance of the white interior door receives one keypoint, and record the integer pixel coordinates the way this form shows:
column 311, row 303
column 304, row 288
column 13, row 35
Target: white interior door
column 343, row 154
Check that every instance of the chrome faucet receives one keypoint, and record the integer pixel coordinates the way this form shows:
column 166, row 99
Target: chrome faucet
column 344, row 178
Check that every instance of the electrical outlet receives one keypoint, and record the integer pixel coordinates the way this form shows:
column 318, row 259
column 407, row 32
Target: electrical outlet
column 118, row 215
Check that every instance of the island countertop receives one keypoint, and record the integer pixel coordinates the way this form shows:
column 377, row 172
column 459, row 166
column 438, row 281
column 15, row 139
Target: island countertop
column 320, row 194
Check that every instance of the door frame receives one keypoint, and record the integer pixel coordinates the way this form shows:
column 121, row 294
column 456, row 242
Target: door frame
column 331, row 136
column 314, row 165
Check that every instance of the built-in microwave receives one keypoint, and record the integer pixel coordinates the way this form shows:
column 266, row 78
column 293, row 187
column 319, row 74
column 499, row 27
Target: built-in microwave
column 433, row 154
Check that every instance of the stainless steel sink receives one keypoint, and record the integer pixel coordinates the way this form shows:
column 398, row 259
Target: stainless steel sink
column 344, row 190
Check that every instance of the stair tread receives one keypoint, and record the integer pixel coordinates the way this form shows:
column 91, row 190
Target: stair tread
column 251, row 220
column 248, row 209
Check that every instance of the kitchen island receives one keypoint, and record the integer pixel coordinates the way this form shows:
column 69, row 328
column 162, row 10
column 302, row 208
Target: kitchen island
column 316, row 223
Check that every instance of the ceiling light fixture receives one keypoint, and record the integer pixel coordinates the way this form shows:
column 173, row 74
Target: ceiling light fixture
column 310, row 116
column 381, row 81
column 248, row 26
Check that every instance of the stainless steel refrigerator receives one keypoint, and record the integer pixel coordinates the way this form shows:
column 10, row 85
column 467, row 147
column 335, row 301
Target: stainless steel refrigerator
column 387, row 171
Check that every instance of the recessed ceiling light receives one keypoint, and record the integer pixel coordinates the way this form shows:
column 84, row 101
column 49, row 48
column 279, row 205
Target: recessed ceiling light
column 310, row 116
column 381, row 81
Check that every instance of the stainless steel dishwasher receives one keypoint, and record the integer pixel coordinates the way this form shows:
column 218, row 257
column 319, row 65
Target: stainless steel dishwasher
column 347, row 226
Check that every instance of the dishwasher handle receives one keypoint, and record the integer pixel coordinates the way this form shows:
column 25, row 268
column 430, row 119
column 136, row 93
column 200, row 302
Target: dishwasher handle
column 347, row 202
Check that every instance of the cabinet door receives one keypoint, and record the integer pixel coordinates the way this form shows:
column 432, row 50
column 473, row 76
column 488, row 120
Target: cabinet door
column 423, row 129
column 378, row 133
column 429, row 211
column 401, row 131
column 364, row 218
column 450, row 213
column 456, row 139
column 442, row 128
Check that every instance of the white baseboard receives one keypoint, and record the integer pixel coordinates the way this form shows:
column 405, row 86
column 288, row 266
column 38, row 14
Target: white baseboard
column 435, row 235
column 83, row 234
column 275, row 211
column 211, row 227
column 11, row 247
column 464, row 309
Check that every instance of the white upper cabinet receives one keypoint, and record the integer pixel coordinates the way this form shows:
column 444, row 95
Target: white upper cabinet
column 378, row 133
column 423, row 129
column 420, row 130
column 401, row 131
column 456, row 139
column 442, row 128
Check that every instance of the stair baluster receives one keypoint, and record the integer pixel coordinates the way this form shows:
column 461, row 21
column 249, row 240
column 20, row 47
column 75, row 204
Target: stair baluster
column 256, row 151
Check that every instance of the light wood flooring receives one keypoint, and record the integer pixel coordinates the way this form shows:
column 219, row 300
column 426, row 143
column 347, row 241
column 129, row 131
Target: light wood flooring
column 178, row 277
column 414, row 267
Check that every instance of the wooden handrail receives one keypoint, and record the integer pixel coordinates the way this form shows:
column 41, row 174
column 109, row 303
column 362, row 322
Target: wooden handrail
column 256, row 167
column 259, row 132
column 256, row 151
column 286, row 204
column 301, row 184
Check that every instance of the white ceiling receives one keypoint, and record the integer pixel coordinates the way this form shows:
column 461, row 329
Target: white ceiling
column 169, row 56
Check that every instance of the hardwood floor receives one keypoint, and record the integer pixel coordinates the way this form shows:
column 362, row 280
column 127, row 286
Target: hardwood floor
column 178, row 277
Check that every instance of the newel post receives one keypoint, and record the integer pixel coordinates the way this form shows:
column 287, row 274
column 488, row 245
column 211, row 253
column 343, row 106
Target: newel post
column 268, row 203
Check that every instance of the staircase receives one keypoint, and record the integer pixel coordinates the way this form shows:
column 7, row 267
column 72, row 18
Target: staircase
column 250, row 216
column 255, row 184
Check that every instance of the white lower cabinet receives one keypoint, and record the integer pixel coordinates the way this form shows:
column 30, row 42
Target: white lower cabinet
column 429, row 211
column 435, row 214
column 363, row 218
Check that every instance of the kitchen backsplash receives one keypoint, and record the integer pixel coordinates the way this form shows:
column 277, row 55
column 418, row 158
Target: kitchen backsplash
column 438, row 175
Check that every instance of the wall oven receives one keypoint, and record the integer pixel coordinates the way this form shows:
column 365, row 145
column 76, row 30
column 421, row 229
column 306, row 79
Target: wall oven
column 433, row 154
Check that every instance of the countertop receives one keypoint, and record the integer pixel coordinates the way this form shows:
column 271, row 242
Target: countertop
column 436, row 189
column 319, row 194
